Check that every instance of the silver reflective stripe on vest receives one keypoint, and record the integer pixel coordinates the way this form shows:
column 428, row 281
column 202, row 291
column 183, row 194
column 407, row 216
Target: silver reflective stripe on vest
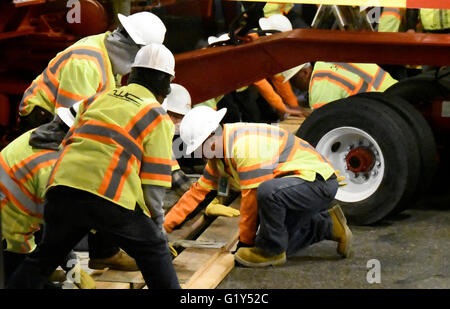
column 269, row 169
column 145, row 121
column 379, row 79
column 156, row 168
column 119, row 138
column 244, row 130
column 29, row 166
column 366, row 77
column 18, row 194
column 208, row 176
column 117, row 174
column 339, row 79
column 67, row 102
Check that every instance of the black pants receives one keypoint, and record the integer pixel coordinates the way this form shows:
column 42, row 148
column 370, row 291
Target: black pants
column 293, row 213
column 69, row 214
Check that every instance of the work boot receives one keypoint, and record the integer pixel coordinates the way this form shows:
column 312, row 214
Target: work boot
column 256, row 257
column 341, row 232
column 119, row 261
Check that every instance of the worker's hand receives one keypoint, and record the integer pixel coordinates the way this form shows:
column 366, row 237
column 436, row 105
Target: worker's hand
column 294, row 112
column 215, row 209
column 340, row 179
column 173, row 252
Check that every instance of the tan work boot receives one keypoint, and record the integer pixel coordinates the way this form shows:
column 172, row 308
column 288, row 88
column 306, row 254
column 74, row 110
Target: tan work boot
column 119, row 261
column 341, row 232
column 256, row 257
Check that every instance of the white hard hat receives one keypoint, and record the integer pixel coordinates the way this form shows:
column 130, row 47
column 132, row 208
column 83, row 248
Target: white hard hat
column 178, row 101
column 198, row 124
column 68, row 114
column 213, row 39
column 275, row 22
column 291, row 72
column 155, row 56
column 144, row 27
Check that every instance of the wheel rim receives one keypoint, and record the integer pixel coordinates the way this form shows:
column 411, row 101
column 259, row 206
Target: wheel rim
column 358, row 157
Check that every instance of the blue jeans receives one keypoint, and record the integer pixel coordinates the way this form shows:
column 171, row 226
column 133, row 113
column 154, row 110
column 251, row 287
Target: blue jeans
column 69, row 214
column 293, row 213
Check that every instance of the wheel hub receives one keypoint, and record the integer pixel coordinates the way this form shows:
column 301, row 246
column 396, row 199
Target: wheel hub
column 360, row 160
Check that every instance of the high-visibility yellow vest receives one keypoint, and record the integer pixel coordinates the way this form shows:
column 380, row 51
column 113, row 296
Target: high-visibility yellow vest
column 121, row 141
column 277, row 8
column 24, row 172
column 390, row 20
column 435, row 19
column 333, row 81
column 255, row 153
column 80, row 72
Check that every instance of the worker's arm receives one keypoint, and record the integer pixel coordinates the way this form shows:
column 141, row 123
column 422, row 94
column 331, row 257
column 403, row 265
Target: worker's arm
column 284, row 89
column 79, row 79
column 154, row 199
column 189, row 202
column 180, row 182
column 185, row 206
column 266, row 90
column 249, row 216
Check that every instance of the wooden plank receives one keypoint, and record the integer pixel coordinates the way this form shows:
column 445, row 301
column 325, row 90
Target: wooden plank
column 210, row 277
column 291, row 124
column 195, row 267
column 120, row 276
column 193, row 263
column 112, row 285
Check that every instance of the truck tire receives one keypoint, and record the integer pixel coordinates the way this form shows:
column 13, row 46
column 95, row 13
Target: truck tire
column 422, row 132
column 374, row 148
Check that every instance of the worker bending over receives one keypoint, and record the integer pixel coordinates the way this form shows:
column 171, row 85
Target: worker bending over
column 177, row 104
column 328, row 81
column 285, row 185
column 25, row 166
column 111, row 176
column 88, row 68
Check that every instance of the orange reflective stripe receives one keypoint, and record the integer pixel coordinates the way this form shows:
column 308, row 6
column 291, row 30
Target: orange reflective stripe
column 156, row 168
column 55, row 168
column 317, row 105
column 109, row 134
column 145, row 121
column 257, row 180
column 123, row 178
column 15, row 193
column 333, row 81
column 338, row 79
column 356, row 70
column 395, row 14
column 108, row 175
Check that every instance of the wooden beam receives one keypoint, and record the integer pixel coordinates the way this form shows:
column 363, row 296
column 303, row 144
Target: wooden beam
column 205, row 268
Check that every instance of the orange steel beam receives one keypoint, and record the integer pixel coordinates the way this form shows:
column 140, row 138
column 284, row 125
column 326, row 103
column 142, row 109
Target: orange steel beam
column 210, row 72
column 432, row 4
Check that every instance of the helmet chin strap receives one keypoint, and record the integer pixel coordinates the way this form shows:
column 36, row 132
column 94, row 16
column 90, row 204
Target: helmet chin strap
column 121, row 51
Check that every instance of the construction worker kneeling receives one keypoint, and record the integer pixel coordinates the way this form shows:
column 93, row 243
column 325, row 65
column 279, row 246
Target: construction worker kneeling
column 285, row 185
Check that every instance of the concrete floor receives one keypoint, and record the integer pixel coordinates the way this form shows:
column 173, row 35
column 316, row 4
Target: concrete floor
column 413, row 250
